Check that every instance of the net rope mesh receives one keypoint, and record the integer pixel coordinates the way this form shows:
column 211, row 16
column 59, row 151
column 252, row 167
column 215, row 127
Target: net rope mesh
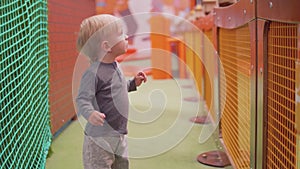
column 24, row 109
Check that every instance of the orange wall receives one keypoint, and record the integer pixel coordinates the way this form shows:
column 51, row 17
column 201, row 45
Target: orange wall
column 64, row 18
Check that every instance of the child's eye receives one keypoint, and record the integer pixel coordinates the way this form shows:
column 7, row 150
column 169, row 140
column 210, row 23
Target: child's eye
column 126, row 37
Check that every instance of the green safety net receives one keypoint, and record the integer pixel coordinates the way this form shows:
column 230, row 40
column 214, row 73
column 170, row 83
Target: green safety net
column 25, row 135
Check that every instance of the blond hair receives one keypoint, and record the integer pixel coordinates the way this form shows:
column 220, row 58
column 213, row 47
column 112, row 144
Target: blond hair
column 93, row 31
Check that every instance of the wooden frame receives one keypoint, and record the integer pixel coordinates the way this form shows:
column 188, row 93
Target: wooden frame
column 235, row 15
column 258, row 14
column 278, row 10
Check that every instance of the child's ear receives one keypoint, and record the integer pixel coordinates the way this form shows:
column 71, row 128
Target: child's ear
column 105, row 46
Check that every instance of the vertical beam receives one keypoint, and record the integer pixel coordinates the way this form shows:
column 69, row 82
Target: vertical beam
column 262, row 91
column 181, row 60
column 297, row 97
column 216, row 82
column 258, row 52
column 193, row 4
column 198, row 60
column 160, row 58
column 253, row 92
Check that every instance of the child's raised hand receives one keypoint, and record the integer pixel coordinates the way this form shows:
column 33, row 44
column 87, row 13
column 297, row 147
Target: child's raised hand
column 139, row 78
column 97, row 118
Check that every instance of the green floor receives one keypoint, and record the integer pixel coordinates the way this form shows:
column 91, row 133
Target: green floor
column 160, row 133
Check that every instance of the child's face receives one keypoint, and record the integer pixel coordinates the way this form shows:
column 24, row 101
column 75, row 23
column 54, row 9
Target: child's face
column 121, row 44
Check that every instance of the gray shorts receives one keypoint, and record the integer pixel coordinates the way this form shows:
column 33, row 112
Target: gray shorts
column 105, row 152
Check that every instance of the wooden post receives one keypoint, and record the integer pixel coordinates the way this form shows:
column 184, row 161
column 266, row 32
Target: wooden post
column 160, row 56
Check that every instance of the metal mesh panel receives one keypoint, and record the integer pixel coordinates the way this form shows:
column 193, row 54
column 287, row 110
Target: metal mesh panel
column 198, row 60
column 281, row 134
column 297, row 95
column 24, row 120
column 235, row 121
column 188, row 37
column 193, row 53
column 210, row 66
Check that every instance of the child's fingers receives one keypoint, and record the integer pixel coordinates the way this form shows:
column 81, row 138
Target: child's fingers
column 143, row 76
column 101, row 118
column 102, row 115
column 97, row 118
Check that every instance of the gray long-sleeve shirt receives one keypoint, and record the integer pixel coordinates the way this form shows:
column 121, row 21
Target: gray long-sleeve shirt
column 103, row 88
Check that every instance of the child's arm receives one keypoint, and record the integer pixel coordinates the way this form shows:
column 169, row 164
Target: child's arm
column 139, row 78
column 86, row 97
column 136, row 81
